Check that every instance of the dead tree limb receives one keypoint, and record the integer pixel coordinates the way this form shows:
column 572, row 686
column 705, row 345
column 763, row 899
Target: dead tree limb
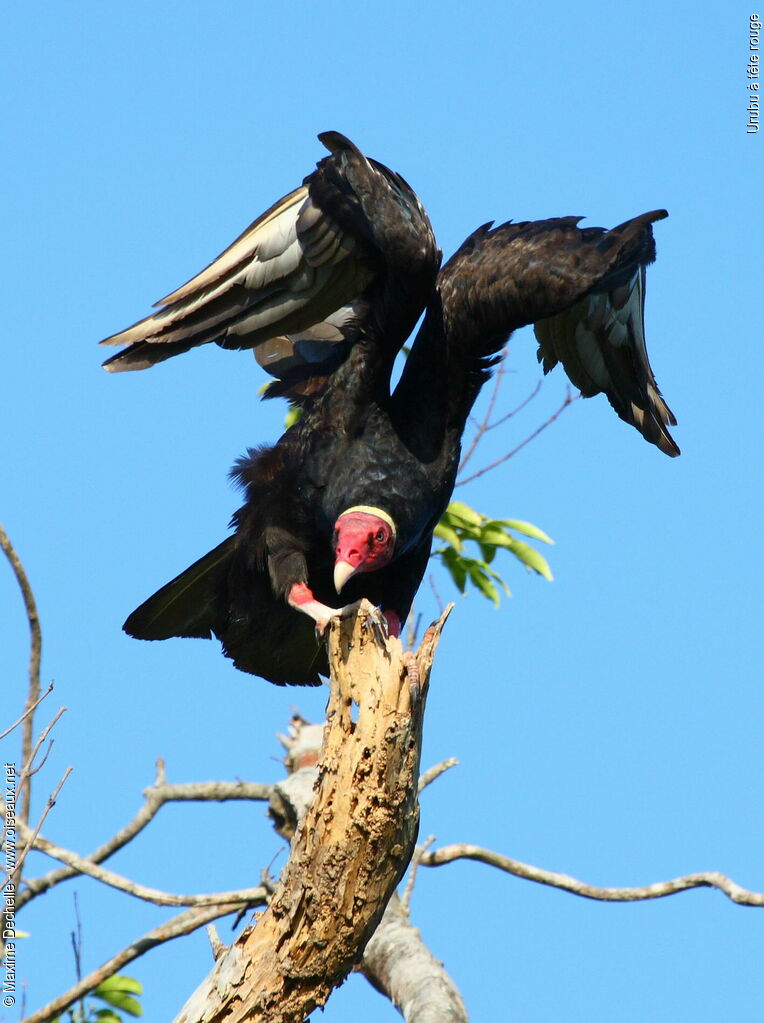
column 156, row 796
column 350, row 850
column 399, row 965
column 124, row 884
column 178, row 926
column 659, row 890
column 35, row 653
column 396, row 962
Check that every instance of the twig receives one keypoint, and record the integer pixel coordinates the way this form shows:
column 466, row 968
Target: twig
column 704, row 879
column 408, row 891
column 27, row 712
column 486, row 426
column 569, row 399
column 435, row 592
column 218, row 947
column 124, row 884
column 28, row 767
column 412, row 627
column 156, row 796
column 483, row 426
column 518, row 408
column 30, row 834
column 434, row 772
column 184, row 923
column 76, row 937
column 35, row 652
column 27, row 771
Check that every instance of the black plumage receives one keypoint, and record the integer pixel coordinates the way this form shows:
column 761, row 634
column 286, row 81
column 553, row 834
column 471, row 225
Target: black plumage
column 358, row 444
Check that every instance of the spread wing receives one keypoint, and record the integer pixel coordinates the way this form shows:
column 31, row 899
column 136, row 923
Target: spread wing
column 301, row 282
column 582, row 288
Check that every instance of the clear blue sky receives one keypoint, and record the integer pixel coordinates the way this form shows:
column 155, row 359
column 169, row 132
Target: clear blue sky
column 609, row 725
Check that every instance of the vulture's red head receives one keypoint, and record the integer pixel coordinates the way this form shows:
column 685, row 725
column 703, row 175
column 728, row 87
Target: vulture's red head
column 364, row 541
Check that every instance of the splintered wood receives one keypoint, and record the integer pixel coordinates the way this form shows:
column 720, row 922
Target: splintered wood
column 352, row 847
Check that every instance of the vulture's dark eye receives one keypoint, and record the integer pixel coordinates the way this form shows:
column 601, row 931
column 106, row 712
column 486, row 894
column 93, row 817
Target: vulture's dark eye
column 380, row 535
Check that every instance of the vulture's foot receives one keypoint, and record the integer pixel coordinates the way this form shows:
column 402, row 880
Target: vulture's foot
column 412, row 671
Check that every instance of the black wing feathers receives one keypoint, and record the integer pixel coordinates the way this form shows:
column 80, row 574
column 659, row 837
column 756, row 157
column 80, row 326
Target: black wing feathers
column 303, row 270
column 583, row 289
column 189, row 604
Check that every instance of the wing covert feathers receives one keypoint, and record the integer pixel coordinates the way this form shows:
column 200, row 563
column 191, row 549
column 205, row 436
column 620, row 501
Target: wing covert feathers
column 584, row 291
column 350, row 227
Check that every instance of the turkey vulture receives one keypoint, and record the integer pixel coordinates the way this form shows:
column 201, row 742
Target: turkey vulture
column 326, row 286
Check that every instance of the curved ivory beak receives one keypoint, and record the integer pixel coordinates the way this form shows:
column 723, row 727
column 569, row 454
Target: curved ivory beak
column 342, row 572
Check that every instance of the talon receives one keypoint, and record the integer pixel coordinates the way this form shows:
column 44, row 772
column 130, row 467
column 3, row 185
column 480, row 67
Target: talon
column 412, row 672
column 378, row 622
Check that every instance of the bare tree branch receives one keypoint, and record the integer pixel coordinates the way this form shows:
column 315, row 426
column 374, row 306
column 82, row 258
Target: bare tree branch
column 486, row 425
column 411, row 879
column 208, row 792
column 483, row 425
column 35, row 653
column 705, row 879
column 81, row 865
column 156, row 796
column 27, row 712
column 518, row 408
column 176, row 927
column 399, row 965
column 29, row 767
column 30, row 834
column 218, row 947
column 27, row 771
column 569, row 399
column 434, row 772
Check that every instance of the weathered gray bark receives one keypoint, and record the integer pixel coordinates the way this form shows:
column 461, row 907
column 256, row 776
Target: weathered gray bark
column 399, row 964
column 350, row 850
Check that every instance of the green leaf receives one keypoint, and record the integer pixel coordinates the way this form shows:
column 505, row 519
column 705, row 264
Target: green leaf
column 107, row 1016
column 118, row 982
column 459, row 510
column 479, row 577
column 449, row 535
column 454, row 564
column 496, row 537
column 461, row 524
column 527, row 529
column 532, row 559
column 488, row 550
column 118, row 991
column 124, row 1002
